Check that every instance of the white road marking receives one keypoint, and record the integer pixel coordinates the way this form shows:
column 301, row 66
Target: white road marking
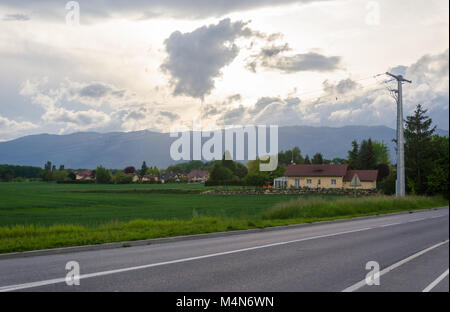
column 362, row 283
column 104, row 273
column 436, row 282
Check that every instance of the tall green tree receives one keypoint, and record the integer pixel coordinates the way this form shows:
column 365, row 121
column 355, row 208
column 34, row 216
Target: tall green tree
column 381, row 153
column 418, row 152
column 229, row 164
column 144, row 169
column 220, row 173
column 307, row 160
column 317, row 159
column 353, row 156
column 437, row 180
column 241, row 170
column 48, row 166
column 339, row 161
column 102, row 175
column 289, row 156
column 7, row 174
column 366, row 158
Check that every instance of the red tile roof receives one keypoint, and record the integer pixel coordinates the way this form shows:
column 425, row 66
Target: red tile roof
column 316, row 170
column 198, row 174
column 363, row 175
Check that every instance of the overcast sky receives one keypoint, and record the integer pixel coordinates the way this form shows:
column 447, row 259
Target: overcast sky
column 135, row 65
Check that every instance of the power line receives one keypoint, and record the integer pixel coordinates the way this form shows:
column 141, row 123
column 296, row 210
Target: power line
column 333, row 95
column 337, row 97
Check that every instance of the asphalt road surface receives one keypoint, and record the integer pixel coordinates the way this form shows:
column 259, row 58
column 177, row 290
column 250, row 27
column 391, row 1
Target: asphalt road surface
column 411, row 250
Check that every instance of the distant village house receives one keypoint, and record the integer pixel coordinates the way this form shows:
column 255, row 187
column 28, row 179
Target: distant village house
column 196, row 176
column 84, row 175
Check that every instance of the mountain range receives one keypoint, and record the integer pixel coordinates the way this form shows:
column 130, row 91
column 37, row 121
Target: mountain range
column 120, row 149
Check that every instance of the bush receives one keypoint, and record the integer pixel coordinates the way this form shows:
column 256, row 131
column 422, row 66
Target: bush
column 121, row 178
column 383, row 172
column 7, row 174
column 224, row 183
column 388, row 184
column 221, row 173
column 60, row 175
column 257, row 179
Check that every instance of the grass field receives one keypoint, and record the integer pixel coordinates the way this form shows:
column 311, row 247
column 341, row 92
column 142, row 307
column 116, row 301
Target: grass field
column 46, row 204
column 45, row 215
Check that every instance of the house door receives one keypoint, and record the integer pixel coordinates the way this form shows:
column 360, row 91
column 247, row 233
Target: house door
column 297, row 183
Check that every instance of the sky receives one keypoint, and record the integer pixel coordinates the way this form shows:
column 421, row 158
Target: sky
column 135, row 65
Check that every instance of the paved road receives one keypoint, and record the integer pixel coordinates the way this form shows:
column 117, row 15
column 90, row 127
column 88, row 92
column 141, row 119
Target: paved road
column 412, row 251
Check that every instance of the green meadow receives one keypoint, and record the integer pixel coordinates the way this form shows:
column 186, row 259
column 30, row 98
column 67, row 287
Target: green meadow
column 45, row 204
column 48, row 215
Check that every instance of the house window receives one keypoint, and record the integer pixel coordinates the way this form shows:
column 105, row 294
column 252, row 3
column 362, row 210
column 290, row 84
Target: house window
column 319, row 182
column 333, row 182
column 309, row 181
column 297, row 183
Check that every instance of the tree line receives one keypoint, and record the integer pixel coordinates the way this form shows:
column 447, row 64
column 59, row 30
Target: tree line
column 426, row 162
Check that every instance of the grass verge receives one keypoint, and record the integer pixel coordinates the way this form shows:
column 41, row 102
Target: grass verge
column 321, row 208
column 24, row 238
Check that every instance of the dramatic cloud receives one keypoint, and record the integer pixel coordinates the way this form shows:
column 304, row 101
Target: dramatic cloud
column 274, row 58
column 98, row 90
column 373, row 106
column 170, row 116
column 11, row 126
column 76, row 106
column 342, row 87
column 430, row 87
column 195, row 59
column 89, row 94
column 80, row 120
column 120, row 70
column 266, row 110
column 346, row 102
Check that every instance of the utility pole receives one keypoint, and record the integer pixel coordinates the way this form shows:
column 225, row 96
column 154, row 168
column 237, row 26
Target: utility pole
column 401, row 180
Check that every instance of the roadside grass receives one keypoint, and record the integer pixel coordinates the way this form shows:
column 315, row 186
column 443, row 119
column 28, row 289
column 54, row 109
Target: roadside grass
column 348, row 207
column 301, row 210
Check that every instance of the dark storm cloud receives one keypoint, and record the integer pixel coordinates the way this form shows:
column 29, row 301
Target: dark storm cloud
column 276, row 57
column 99, row 90
column 195, row 59
column 169, row 115
column 342, row 87
column 95, row 91
column 313, row 62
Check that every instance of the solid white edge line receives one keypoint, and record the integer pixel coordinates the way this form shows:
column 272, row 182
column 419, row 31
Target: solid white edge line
column 98, row 274
column 362, row 283
column 436, row 282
